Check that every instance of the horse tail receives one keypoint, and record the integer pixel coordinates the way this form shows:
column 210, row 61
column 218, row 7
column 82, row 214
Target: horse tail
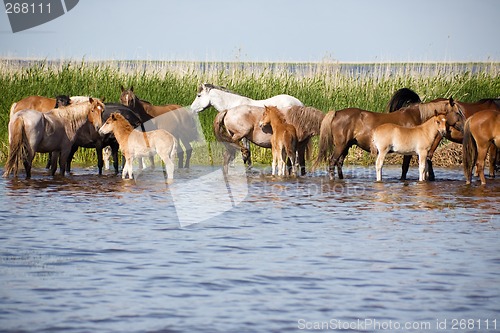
column 220, row 130
column 402, row 98
column 12, row 109
column 469, row 151
column 17, row 147
column 325, row 139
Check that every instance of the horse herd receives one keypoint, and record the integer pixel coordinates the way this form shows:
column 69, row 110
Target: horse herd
column 140, row 129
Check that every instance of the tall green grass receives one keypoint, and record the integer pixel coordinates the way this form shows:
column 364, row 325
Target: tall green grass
column 326, row 86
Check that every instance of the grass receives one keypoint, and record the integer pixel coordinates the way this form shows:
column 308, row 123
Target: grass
column 325, row 86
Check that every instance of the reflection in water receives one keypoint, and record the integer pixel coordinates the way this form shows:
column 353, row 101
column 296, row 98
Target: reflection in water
column 74, row 251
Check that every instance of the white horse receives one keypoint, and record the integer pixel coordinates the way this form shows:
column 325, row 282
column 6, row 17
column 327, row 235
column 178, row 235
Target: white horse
column 222, row 99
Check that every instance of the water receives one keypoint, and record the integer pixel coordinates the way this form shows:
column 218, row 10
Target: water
column 99, row 254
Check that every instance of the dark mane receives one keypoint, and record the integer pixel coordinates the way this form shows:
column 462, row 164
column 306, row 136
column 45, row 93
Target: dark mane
column 402, row 98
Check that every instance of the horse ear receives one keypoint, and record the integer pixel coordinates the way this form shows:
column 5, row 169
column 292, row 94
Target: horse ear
column 91, row 100
column 102, row 99
column 436, row 113
column 452, row 102
column 121, row 87
column 113, row 116
column 132, row 88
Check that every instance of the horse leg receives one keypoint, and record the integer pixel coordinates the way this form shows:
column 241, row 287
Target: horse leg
column 54, row 157
column 422, row 165
column 481, row 157
column 301, row 156
column 493, row 161
column 229, row 155
column 27, row 163
column 74, row 148
column 247, row 157
column 430, row 170
column 380, row 163
column 405, row 166
column 49, row 161
column 189, row 152
column 100, row 160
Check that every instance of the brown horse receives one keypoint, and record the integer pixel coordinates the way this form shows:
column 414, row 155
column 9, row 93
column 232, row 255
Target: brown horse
column 173, row 118
column 481, row 131
column 39, row 103
column 389, row 138
column 134, row 144
column 32, row 131
column 340, row 130
column 283, row 140
column 230, row 126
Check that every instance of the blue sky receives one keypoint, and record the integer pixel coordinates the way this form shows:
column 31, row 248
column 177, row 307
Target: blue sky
column 259, row 30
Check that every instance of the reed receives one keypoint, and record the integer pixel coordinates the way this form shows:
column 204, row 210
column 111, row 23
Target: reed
column 326, row 86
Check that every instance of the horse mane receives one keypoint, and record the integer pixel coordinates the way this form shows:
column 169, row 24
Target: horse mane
column 72, row 115
column 427, row 109
column 402, row 98
column 213, row 86
column 123, row 121
column 305, row 119
column 274, row 110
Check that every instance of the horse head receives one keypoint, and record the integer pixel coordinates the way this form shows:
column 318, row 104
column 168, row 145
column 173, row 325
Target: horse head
column 456, row 119
column 108, row 125
column 266, row 119
column 441, row 123
column 95, row 112
column 127, row 96
column 202, row 100
column 62, row 100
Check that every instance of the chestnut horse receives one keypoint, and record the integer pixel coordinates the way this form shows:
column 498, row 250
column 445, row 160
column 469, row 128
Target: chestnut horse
column 391, row 138
column 134, row 144
column 53, row 131
column 481, row 131
column 173, row 118
column 340, row 130
column 283, row 140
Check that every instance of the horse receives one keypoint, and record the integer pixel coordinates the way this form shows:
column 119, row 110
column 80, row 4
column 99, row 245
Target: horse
column 283, row 140
column 481, row 131
column 135, row 144
column 230, row 126
column 33, row 131
column 173, row 118
column 453, row 133
column 389, row 138
column 340, row 130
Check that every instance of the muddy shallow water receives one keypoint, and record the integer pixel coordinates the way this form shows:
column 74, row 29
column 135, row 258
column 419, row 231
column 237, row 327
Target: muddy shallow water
column 249, row 253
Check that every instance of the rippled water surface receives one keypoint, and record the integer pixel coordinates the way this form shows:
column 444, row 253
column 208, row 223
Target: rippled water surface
column 99, row 254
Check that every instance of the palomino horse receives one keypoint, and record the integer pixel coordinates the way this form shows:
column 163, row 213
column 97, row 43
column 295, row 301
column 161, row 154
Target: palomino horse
column 33, row 131
column 173, row 118
column 223, row 99
column 391, row 138
column 134, row 144
column 283, row 141
column 340, row 130
column 481, row 131
column 232, row 125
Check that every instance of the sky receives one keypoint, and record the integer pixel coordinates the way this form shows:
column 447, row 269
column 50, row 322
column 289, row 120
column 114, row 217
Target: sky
column 264, row 30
